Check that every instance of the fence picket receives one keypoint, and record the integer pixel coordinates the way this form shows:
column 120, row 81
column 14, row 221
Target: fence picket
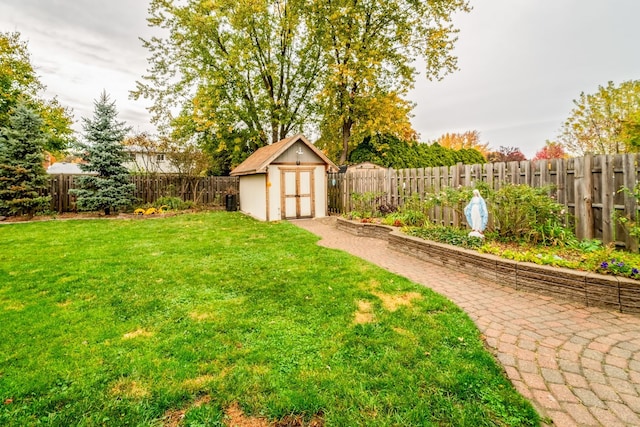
column 630, row 168
column 606, row 192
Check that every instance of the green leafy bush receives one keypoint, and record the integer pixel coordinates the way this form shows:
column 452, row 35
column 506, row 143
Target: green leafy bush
column 414, row 212
column 632, row 226
column 189, row 204
column 390, row 151
column 449, row 235
column 551, row 233
column 523, row 213
column 453, row 198
column 364, row 204
column 587, row 245
column 174, row 203
column 168, row 203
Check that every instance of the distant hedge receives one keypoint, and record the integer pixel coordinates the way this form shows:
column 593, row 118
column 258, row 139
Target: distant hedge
column 390, row 151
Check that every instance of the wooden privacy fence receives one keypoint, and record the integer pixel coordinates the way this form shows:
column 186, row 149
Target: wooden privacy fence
column 202, row 190
column 591, row 188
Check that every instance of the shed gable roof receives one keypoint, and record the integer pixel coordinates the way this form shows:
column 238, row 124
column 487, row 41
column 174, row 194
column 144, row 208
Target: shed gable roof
column 263, row 157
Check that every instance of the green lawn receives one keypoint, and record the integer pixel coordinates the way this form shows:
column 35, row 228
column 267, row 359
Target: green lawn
column 146, row 321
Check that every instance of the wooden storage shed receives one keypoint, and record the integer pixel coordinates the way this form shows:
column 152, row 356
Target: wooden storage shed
column 285, row 180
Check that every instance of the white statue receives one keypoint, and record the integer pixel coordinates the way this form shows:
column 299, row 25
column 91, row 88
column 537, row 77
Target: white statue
column 477, row 215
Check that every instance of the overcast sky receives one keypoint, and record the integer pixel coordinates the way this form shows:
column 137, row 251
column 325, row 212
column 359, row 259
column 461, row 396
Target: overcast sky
column 522, row 62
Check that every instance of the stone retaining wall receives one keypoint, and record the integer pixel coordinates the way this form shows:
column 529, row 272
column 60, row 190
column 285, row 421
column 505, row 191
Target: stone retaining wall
column 592, row 289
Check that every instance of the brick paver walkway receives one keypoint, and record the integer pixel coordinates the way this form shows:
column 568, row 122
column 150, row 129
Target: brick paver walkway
column 580, row 366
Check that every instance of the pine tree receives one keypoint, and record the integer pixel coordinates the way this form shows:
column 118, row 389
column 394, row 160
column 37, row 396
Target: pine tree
column 108, row 188
column 22, row 175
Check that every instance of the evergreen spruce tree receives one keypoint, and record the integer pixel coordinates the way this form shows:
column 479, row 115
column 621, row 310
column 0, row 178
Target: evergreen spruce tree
column 108, row 188
column 23, row 178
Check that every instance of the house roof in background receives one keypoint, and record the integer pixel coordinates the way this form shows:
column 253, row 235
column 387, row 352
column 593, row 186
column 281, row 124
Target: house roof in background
column 263, row 157
column 64, row 168
column 141, row 149
column 365, row 165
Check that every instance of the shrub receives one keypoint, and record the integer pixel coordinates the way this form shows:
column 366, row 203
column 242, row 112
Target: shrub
column 523, row 213
column 516, row 212
column 453, row 198
column 365, row 205
column 626, row 221
column 450, row 235
column 414, row 212
column 391, row 151
column 174, row 203
column 551, row 233
column 393, row 219
column 189, row 204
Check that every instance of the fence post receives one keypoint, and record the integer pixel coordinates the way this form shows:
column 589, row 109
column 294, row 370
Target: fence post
column 630, row 168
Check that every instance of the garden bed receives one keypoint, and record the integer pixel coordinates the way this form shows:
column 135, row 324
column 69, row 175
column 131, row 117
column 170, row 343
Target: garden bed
column 591, row 289
column 100, row 215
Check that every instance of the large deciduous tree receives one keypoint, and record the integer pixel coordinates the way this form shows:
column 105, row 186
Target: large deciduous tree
column 506, row 154
column 466, row 140
column 19, row 83
column 370, row 48
column 551, row 150
column 237, row 74
column 235, row 68
column 603, row 122
column 22, row 176
column 631, row 131
column 108, row 187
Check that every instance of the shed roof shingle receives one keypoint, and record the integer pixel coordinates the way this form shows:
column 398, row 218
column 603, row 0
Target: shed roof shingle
column 263, row 157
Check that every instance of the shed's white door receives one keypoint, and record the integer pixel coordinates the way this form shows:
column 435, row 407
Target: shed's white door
column 297, row 193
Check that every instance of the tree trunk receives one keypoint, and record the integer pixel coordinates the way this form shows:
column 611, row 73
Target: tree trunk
column 347, row 124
